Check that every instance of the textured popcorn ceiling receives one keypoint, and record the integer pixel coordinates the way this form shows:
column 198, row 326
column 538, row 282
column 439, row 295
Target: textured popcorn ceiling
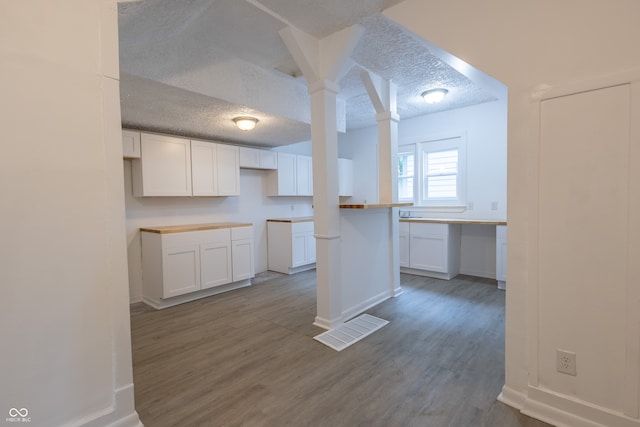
column 189, row 66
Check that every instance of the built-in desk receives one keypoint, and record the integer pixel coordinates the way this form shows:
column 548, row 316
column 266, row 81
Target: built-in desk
column 432, row 246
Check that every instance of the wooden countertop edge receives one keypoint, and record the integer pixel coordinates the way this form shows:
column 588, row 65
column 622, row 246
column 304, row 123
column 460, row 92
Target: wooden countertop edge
column 193, row 227
column 291, row 220
column 455, row 221
column 376, row 205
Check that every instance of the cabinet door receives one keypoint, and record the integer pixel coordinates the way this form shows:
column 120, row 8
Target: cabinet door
column 298, row 249
column 181, row 270
column 215, row 263
column 311, row 247
column 249, row 158
column 130, row 144
column 304, row 176
column 203, row 165
column 286, row 175
column 242, row 254
column 164, row 168
column 501, row 253
column 228, row 162
column 404, row 244
column 428, row 252
column 268, row 159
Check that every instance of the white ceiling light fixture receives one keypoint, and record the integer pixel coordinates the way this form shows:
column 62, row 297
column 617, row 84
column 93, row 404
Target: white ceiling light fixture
column 245, row 122
column 434, row 96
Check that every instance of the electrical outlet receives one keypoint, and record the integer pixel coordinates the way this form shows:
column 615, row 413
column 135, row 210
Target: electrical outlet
column 470, row 206
column 566, row 362
column 494, row 206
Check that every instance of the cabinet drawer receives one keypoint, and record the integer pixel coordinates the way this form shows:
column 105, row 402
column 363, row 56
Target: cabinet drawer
column 422, row 229
column 210, row 236
column 300, row 227
column 241, row 233
column 404, row 228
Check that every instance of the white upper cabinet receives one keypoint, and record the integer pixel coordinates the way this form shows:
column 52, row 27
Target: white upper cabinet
column 164, row 168
column 170, row 166
column 203, row 168
column 228, row 169
column 293, row 177
column 130, row 144
column 282, row 181
column 253, row 158
column 304, row 176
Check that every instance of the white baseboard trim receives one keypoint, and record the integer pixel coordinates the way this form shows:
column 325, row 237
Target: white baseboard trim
column 563, row 411
column 120, row 414
column 512, row 397
column 294, row 270
column 327, row 324
column 159, row 304
column 567, row 411
column 135, row 300
column 426, row 273
column 365, row 305
column 479, row 273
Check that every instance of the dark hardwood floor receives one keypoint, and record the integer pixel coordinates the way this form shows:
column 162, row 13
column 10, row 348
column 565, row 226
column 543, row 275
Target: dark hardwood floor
column 247, row 358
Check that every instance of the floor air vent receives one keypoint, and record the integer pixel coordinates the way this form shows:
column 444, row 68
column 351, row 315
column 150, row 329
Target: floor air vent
column 351, row 332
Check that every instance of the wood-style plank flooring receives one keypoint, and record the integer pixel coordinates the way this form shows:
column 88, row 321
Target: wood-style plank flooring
column 247, row 358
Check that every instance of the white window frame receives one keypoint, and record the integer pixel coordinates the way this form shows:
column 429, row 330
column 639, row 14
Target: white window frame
column 409, row 149
column 435, row 143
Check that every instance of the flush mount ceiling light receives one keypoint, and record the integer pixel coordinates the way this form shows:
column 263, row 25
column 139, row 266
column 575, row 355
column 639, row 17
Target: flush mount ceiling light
column 245, row 122
column 434, row 96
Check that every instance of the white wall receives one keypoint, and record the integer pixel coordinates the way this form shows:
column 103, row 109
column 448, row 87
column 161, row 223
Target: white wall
column 531, row 46
column 486, row 129
column 64, row 323
column 253, row 205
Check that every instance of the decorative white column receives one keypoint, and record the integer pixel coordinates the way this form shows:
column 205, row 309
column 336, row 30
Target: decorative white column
column 322, row 62
column 383, row 94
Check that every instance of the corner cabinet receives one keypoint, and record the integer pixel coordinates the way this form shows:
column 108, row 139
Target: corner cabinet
column 184, row 263
column 291, row 245
column 170, row 166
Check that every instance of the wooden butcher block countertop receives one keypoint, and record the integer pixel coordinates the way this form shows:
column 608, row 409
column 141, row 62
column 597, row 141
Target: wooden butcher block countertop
column 375, row 205
column 301, row 219
column 455, row 221
column 193, row 227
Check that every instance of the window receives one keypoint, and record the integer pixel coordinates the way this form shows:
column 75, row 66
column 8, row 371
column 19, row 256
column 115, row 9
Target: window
column 440, row 175
column 439, row 168
column 406, row 172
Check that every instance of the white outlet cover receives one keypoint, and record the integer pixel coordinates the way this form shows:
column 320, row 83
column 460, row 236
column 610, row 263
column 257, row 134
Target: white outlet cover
column 566, row 362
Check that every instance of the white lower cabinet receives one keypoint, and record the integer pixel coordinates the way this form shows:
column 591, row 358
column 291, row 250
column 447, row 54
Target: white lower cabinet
column 404, row 244
column 291, row 246
column 177, row 265
column 434, row 250
column 242, row 253
column 130, row 144
column 501, row 256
